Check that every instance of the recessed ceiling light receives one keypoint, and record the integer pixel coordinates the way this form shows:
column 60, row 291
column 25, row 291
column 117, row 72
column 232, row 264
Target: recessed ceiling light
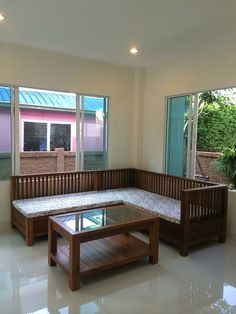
column 133, row 50
column 2, row 17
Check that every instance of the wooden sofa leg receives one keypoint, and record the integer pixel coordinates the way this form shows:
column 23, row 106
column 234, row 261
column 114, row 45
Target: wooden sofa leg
column 222, row 238
column 183, row 250
column 12, row 225
column 12, row 218
column 29, row 235
column 184, row 243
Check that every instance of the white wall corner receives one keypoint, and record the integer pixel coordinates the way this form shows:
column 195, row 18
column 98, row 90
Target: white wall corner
column 138, row 104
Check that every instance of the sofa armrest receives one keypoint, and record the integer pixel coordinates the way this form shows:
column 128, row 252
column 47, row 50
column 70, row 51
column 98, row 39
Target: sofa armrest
column 204, row 203
column 203, row 210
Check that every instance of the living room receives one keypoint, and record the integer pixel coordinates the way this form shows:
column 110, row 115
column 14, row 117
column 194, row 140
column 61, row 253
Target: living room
column 137, row 86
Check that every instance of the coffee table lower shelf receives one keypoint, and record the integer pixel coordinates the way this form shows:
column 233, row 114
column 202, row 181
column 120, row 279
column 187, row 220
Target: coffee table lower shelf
column 102, row 254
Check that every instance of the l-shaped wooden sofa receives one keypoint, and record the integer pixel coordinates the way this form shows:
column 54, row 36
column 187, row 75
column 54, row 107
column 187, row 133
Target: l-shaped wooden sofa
column 190, row 211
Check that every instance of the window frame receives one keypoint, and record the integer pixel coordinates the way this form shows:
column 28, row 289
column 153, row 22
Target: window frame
column 192, row 160
column 17, row 145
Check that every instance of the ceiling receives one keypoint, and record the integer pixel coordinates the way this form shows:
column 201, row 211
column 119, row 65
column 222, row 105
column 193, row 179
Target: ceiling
column 105, row 29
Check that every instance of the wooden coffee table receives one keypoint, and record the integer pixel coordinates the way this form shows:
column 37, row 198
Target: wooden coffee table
column 99, row 239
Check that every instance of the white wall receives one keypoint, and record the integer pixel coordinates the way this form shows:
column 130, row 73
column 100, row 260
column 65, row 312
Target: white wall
column 30, row 67
column 39, row 68
column 4, row 201
column 177, row 77
column 201, row 72
column 231, row 217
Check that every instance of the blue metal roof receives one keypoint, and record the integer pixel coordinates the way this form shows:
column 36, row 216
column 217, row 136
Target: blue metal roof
column 5, row 95
column 50, row 100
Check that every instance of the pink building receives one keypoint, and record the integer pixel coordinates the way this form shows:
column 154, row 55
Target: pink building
column 48, row 121
column 93, row 128
column 5, row 130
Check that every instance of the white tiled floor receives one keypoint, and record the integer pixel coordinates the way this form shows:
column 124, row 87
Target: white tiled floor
column 203, row 282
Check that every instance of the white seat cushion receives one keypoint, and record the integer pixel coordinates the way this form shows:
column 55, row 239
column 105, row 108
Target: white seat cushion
column 164, row 207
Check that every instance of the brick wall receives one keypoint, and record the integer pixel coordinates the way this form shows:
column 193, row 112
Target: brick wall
column 38, row 162
column 57, row 161
column 69, row 161
column 207, row 161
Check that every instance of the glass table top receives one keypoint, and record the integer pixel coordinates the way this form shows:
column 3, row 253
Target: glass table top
column 103, row 217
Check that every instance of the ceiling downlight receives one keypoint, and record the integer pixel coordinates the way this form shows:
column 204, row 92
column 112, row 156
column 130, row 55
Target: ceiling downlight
column 133, row 50
column 2, row 17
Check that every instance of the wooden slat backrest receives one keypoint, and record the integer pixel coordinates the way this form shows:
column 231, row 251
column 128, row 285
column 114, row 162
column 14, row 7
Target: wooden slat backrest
column 30, row 186
column 118, row 178
column 37, row 185
column 166, row 185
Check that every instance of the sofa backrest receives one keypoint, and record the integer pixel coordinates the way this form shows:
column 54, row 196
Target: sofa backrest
column 166, row 185
column 37, row 185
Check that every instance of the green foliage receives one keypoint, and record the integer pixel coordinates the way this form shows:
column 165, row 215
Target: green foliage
column 208, row 97
column 226, row 163
column 216, row 122
column 217, row 130
column 216, row 97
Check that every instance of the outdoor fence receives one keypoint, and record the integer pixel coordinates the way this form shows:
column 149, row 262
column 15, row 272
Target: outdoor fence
column 60, row 160
column 5, row 166
column 205, row 167
column 55, row 161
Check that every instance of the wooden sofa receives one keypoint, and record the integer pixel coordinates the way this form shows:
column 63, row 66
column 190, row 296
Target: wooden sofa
column 203, row 204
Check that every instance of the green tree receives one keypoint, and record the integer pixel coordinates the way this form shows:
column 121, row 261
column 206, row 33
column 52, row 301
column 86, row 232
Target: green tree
column 226, row 163
column 216, row 122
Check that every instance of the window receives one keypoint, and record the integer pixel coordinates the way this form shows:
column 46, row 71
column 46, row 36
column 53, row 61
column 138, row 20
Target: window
column 94, row 132
column 200, row 139
column 52, row 132
column 5, row 133
column 60, row 136
column 176, row 144
column 35, row 136
column 47, row 125
column 38, row 135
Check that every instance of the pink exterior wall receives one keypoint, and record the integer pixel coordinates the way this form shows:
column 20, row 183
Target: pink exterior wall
column 93, row 133
column 5, row 130
column 93, row 130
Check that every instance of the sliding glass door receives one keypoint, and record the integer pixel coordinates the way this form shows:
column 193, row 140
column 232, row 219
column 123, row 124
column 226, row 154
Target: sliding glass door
column 181, row 126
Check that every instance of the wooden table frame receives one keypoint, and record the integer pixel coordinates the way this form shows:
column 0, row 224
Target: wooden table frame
column 130, row 248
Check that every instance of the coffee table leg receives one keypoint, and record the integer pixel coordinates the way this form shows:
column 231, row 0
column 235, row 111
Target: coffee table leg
column 52, row 243
column 154, row 241
column 74, row 267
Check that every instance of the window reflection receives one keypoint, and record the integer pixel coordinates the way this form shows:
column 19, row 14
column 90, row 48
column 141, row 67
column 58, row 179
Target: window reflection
column 86, row 221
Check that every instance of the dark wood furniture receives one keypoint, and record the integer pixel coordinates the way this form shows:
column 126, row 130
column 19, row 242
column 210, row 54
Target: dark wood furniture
column 203, row 204
column 99, row 239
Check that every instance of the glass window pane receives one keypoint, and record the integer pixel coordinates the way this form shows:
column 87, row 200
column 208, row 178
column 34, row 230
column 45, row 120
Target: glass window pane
column 176, row 135
column 95, row 132
column 35, row 136
column 5, row 133
column 47, row 134
column 60, row 136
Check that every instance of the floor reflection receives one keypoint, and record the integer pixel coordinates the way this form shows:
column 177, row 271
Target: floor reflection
column 204, row 282
column 229, row 295
column 226, row 305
